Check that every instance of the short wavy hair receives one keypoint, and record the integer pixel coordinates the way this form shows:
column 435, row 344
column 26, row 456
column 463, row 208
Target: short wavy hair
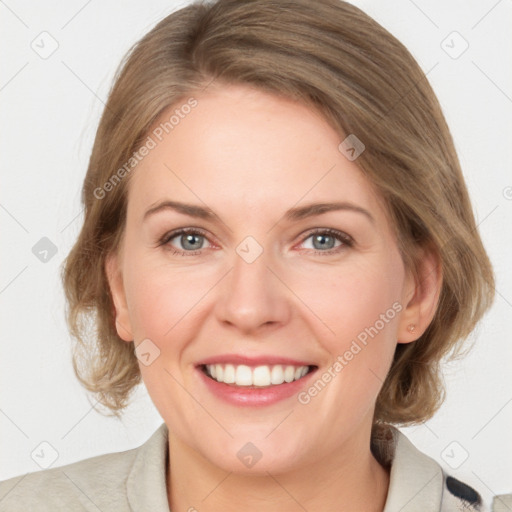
column 332, row 57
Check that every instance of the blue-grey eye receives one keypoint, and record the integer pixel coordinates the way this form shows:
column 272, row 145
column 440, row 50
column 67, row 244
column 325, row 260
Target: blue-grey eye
column 191, row 241
column 322, row 241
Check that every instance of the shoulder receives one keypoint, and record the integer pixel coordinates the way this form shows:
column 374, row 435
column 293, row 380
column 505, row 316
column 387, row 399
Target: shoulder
column 73, row 485
column 105, row 482
column 418, row 482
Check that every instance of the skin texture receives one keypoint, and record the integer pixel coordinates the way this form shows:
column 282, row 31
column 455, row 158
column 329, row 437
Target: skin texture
column 249, row 157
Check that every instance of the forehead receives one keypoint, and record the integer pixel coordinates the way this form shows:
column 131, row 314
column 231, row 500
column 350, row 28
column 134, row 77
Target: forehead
column 242, row 148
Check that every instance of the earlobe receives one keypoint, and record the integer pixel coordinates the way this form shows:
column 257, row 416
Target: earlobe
column 421, row 296
column 115, row 281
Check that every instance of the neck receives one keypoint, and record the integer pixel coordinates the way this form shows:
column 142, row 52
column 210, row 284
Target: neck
column 349, row 479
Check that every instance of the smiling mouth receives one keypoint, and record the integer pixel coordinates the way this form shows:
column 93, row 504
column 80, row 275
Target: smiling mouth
column 258, row 376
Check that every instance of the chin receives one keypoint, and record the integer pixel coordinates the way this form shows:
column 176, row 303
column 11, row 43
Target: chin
column 256, row 458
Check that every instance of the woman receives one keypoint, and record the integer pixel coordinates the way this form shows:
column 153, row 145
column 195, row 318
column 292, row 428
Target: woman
column 279, row 243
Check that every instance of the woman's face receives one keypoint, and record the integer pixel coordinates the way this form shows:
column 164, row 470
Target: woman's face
column 264, row 286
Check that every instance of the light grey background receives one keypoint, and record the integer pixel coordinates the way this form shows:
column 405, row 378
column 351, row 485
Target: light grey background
column 50, row 110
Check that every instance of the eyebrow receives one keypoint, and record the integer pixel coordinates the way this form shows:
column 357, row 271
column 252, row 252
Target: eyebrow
column 293, row 214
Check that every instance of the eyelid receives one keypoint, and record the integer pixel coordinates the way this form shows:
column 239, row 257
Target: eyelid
column 169, row 235
column 346, row 240
column 344, row 237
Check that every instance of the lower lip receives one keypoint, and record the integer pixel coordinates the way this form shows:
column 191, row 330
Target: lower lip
column 254, row 396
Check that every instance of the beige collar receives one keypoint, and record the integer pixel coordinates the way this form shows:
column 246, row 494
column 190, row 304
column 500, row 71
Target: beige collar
column 416, row 480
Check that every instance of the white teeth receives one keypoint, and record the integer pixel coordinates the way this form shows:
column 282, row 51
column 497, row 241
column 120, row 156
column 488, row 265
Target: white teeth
column 277, row 375
column 229, row 374
column 219, row 372
column 289, row 373
column 261, row 376
column 242, row 375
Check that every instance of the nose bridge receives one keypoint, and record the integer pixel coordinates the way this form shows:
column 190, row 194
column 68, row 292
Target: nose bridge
column 252, row 296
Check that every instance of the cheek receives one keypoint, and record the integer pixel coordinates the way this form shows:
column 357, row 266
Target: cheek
column 361, row 308
column 162, row 299
column 163, row 304
column 354, row 298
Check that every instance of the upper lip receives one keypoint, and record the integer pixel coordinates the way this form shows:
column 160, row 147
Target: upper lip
column 260, row 360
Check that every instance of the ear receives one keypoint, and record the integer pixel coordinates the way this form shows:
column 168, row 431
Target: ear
column 116, row 285
column 421, row 295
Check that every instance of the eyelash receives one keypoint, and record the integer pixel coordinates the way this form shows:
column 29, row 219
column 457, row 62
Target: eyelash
column 347, row 241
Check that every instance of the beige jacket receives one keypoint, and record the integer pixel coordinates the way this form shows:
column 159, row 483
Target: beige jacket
column 134, row 480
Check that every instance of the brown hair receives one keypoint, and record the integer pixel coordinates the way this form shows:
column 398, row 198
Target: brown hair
column 333, row 57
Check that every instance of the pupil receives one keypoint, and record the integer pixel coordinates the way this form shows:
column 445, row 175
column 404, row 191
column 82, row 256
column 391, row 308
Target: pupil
column 189, row 239
column 321, row 239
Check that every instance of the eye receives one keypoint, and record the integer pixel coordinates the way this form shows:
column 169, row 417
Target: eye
column 328, row 241
column 186, row 241
column 190, row 241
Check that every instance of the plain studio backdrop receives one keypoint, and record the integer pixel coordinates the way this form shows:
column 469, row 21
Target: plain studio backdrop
column 58, row 63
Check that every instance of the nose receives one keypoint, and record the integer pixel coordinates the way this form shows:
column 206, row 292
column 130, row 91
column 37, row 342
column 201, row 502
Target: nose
column 252, row 296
